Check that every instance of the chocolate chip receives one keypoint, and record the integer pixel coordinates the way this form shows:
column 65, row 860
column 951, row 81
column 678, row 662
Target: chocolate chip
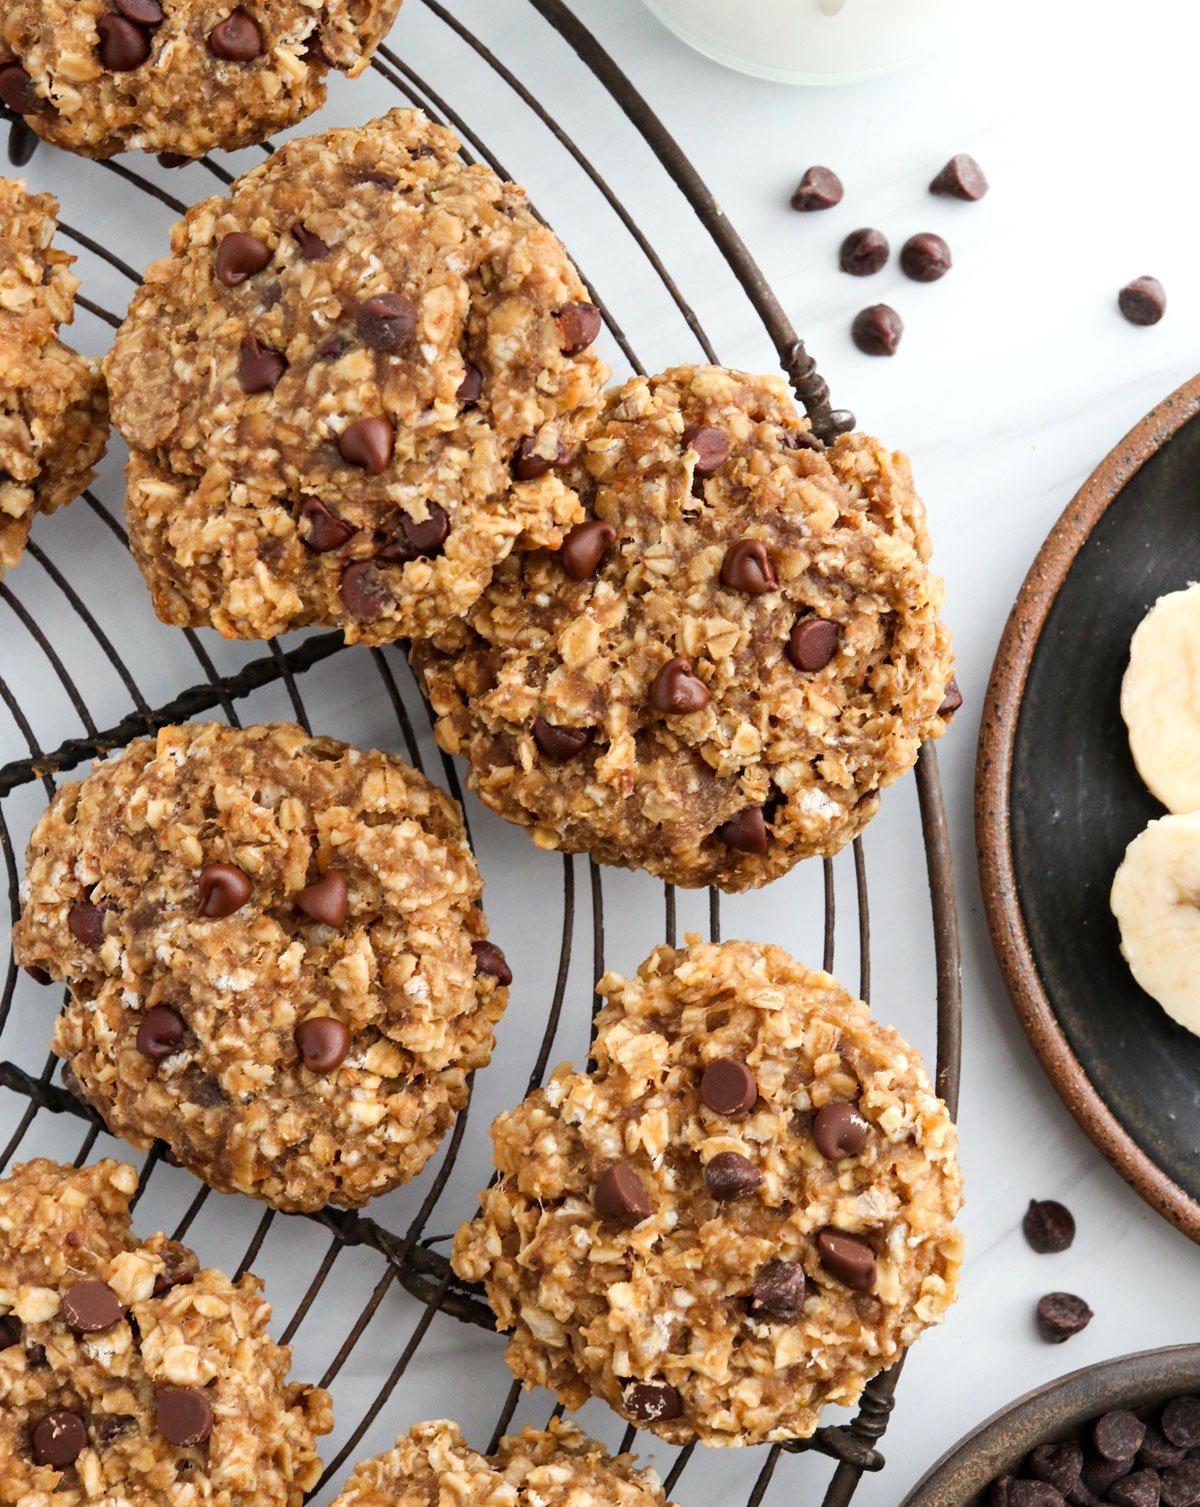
column 39, row 975
column 560, row 743
column 951, row 700
column 111, row 1426
column 236, row 39
column 848, row 1259
column 144, row 12
column 1141, row 1489
column 621, row 1196
column 160, row 1033
column 1049, row 1227
column 324, row 531
column 812, row 643
column 1181, row 1485
column 747, row 567
column 35, row 1357
column 311, row 247
column 839, row 1130
column 820, row 188
column 578, row 325
column 676, row 690
column 176, row 1272
column 863, row 252
column 419, row 540
column 223, row 890
column 1118, row 1435
column 1143, row 301
column 387, row 321
column 778, row 1290
column 367, row 443
column 365, row 591
column 327, row 899
column 584, row 548
column 123, row 46
column 10, row 1331
column 17, row 91
column 470, row 389
column 1158, row 1452
column 91, row 1307
column 240, row 256
column 711, row 447
column 333, row 349
column 652, row 1401
column 1033, row 1494
column 1060, row 1315
column 1181, row 1422
column 877, row 330
column 59, row 1439
column 925, row 257
column 961, row 178
column 85, row 922
column 259, row 367
column 184, row 1416
column 746, row 832
column 384, row 180
column 323, row 1043
column 731, row 1176
column 490, row 960
column 528, row 465
column 1059, row 1464
column 171, row 160
column 1000, row 1491
column 728, row 1086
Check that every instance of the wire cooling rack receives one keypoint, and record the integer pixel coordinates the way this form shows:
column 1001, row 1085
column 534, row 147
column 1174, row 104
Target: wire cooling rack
column 368, row 1299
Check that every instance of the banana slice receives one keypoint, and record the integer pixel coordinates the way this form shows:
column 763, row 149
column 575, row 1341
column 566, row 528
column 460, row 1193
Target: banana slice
column 1160, row 699
column 1156, row 900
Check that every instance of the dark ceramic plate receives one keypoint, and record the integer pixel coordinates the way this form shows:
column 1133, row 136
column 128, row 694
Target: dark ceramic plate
column 1058, row 800
column 1056, row 1411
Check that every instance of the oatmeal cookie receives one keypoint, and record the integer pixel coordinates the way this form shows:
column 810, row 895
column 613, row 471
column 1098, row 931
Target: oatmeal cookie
column 275, row 955
column 127, row 1374
column 725, row 663
column 554, row 1467
column 178, row 76
column 346, row 391
column 742, row 1213
column 53, row 411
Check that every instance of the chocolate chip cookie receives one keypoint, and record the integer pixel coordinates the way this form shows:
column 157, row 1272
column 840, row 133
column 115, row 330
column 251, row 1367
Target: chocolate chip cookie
column 346, row 392
column 178, row 76
column 53, row 411
column 554, row 1467
column 127, row 1374
column 275, row 955
column 742, row 1213
column 726, row 661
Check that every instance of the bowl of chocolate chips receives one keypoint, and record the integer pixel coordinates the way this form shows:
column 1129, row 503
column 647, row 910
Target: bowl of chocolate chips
column 1124, row 1433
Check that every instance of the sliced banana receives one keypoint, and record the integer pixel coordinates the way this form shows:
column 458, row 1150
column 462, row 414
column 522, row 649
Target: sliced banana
column 1160, row 699
column 1156, row 900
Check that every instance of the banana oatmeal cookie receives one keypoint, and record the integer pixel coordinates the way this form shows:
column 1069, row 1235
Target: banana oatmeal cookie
column 725, row 663
column 178, row 76
column 348, row 392
column 554, row 1467
column 744, row 1212
column 53, row 412
column 275, row 955
column 128, row 1375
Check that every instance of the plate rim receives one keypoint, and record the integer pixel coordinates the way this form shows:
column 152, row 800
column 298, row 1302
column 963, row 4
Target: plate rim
column 993, row 785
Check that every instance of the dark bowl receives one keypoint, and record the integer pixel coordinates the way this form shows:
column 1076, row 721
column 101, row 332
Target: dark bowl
column 1057, row 1411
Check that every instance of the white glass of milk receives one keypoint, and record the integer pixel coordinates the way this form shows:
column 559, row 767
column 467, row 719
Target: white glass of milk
column 810, row 41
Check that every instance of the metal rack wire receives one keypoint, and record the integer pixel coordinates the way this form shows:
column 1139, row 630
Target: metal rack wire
column 404, row 1253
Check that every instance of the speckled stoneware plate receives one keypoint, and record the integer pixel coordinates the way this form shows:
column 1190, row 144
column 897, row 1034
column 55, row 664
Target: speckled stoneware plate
column 1059, row 1410
column 1058, row 800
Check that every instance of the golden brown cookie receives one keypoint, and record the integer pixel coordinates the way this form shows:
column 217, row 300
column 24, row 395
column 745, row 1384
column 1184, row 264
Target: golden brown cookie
column 741, row 1214
column 275, row 954
column 725, row 663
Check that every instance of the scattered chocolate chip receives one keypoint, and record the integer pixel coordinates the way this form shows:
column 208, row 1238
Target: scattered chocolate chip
column 1118, row 1435
column 490, row 960
column 1143, row 301
column 652, row 1401
column 1000, row 1492
column 584, row 548
column 123, row 46
column 365, row 591
column 1141, row 1489
column 711, row 447
column 91, row 1307
column 728, row 1087
column 323, row 1043
column 10, row 1331
column 952, row 699
column 333, row 349
column 419, row 540
column 384, row 180
column 387, row 321
column 812, row 643
column 160, row 1033
column 144, row 12
column 327, row 899
column 1181, row 1422
column 85, row 922
column 1049, row 1227
column 820, row 188
column 1060, row 1315
column 236, row 39
column 560, row 743
column 621, row 1196
column 1059, row 1464
column 778, row 1290
column 578, row 325
column 259, row 367
column 202, row 1090
column 175, row 1272
column 839, row 1130
column 877, row 330
column 39, row 975
column 470, row 389
column 184, row 1416
column 731, row 1176
column 1181, row 1484
column 311, row 247
column 747, row 567
column 1158, row 1452
column 1033, row 1494
column 848, row 1259
column 324, row 531
column 108, row 1427
column 17, row 91
column 59, row 1439
column 367, row 443
column 223, row 889
column 925, row 257
column 35, row 1357
column 676, row 690
column 746, row 832
column 961, row 178
column 528, row 465
column 863, row 252
column 240, row 256
column 171, row 160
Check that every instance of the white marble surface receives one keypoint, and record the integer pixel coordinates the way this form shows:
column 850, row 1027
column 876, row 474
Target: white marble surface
column 1015, row 376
